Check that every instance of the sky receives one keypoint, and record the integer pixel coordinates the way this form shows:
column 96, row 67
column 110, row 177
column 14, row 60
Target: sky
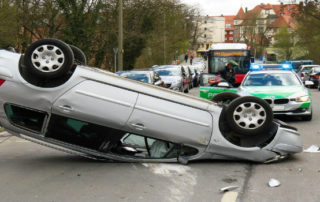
column 226, row 7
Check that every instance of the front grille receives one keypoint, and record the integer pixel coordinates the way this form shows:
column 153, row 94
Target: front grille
column 278, row 101
column 281, row 101
column 269, row 101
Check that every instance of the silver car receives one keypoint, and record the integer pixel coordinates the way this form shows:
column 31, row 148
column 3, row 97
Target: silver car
column 47, row 98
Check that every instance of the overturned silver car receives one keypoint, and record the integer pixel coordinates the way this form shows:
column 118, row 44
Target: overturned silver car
column 49, row 96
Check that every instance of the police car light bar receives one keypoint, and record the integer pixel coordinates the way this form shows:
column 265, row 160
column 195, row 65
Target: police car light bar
column 255, row 67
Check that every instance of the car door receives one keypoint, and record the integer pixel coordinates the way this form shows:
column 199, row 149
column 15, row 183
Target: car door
column 98, row 103
column 167, row 120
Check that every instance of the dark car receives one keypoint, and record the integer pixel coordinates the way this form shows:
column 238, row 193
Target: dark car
column 188, row 75
column 195, row 76
column 146, row 76
column 313, row 75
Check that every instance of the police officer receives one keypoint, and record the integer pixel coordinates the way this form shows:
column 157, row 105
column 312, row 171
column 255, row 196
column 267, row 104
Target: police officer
column 228, row 73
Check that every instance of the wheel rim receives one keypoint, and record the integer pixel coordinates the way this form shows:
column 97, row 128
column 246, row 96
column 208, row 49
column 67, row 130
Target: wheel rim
column 47, row 58
column 249, row 115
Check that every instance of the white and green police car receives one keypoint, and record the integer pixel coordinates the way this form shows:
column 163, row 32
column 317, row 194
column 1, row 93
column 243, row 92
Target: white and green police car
column 278, row 85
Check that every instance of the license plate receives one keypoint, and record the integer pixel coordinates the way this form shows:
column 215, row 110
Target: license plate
column 278, row 108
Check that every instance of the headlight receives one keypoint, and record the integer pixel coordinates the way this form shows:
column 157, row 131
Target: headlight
column 305, row 98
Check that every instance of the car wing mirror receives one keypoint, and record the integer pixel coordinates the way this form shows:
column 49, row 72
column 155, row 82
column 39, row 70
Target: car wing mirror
column 223, row 84
column 158, row 83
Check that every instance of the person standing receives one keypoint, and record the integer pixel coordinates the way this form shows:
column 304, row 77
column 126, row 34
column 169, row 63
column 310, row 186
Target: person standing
column 191, row 59
column 186, row 57
column 228, row 73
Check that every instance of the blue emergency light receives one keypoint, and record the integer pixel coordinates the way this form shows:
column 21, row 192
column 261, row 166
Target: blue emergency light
column 255, row 67
column 258, row 67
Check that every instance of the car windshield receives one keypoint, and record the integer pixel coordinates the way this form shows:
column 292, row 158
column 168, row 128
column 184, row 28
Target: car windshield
column 169, row 72
column 144, row 77
column 271, row 79
column 306, row 69
column 316, row 69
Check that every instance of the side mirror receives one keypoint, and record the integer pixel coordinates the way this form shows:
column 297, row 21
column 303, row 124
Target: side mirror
column 308, row 83
column 158, row 83
column 223, row 84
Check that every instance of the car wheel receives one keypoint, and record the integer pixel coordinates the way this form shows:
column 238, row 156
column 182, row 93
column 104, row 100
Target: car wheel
column 48, row 58
column 249, row 115
column 225, row 97
column 187, row 90
column 79, row 56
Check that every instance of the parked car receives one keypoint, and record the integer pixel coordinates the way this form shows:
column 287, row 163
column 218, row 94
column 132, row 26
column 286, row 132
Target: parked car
column 188, row 76
column 147, row 76
column 313, row 75
column 48, row 99
column 174, row 77
column 304, row 69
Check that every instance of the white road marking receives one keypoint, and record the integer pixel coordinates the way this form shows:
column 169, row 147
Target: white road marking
column 230, row 196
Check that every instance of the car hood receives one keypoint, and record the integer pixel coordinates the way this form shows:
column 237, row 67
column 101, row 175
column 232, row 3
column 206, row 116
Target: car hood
column 273, row 91
column 170, row 79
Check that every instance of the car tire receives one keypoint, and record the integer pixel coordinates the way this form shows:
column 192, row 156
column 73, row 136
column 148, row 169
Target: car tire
column 224, row 97
column 249, row 115
column 187, row 90
column 48, row 58
column 79, row 56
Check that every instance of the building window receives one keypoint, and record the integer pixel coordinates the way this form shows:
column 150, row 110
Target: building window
column 231, row 32
column 205, row 36
column 230, row 38
column 228, row 25
column 205, row 22
column 267, row 12
column 205, row 28
column 225, row 38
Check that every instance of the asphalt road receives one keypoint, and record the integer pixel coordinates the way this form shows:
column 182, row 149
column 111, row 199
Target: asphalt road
column 29, row 172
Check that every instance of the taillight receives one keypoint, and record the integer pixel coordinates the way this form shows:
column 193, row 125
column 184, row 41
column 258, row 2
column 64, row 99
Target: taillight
column 302, row 74
column 316, row 76
column 2, row 81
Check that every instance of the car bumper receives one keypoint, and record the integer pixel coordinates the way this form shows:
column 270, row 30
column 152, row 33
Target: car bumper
column 297, row 112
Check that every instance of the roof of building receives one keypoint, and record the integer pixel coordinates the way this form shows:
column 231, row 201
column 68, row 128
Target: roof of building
column 284, row 13
column 240, row 14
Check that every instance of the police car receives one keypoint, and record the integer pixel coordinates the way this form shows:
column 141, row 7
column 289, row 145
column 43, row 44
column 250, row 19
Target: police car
column 281, row 87
column 278, row 85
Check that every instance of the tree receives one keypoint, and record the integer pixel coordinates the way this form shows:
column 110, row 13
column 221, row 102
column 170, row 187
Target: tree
column 308, row 29
column 8, row 24
column 284, row 42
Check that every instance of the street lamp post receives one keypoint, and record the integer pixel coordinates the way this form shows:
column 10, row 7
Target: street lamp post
column 120, row 37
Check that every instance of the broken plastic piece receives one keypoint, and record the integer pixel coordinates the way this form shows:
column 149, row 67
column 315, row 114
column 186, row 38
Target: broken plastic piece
column 313, row 149
column 274, row 183
column 228, row 188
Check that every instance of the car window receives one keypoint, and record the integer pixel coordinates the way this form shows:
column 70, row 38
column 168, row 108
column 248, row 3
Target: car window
column 109, row 140
column 25, row 118
column 316, row 69
column 210, row 80
column 143, row 77
column 169, row 72
column 306, row 69
column 271, row 79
